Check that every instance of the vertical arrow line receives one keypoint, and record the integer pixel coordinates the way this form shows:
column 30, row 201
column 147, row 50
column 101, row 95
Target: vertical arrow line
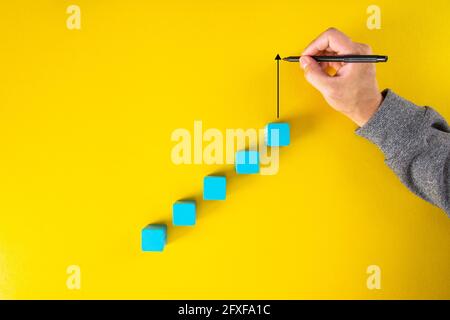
column 277, row 58
column 278, row 89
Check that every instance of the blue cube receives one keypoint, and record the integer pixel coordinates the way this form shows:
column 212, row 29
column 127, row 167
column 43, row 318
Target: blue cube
column 214, row 188
column 183, row 213
column 247, row 162
column 154, row 237
column 278, row 134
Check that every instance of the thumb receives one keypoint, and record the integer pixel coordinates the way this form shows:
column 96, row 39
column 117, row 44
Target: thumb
column 314, row 73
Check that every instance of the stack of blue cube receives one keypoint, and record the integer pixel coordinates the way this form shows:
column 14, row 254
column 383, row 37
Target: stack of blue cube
column 184, row 212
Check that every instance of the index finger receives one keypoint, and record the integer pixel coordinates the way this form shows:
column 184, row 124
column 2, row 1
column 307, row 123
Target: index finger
column 330, row 39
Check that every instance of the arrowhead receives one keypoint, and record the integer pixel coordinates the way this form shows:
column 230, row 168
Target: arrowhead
column 278, row 57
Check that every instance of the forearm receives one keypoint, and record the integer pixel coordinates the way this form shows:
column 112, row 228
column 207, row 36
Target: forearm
column 416, row 144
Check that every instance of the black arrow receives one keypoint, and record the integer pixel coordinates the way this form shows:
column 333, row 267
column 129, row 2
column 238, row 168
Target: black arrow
column 278, row 58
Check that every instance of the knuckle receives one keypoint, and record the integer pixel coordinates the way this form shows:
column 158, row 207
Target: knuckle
column 365, row 48
column 332, row 30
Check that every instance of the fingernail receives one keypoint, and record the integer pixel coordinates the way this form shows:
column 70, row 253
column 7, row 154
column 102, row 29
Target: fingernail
column 304, row 62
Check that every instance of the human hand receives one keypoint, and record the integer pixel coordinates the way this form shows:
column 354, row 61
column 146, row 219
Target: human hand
column 353, row 89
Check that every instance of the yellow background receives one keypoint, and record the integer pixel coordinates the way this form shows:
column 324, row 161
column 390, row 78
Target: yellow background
column 85, row 124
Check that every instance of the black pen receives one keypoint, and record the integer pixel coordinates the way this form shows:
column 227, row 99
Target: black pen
column 345, row 58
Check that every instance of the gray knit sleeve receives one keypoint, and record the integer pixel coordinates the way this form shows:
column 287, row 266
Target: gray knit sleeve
column 416, row 144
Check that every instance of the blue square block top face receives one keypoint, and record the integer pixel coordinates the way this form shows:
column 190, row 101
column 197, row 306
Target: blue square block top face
column 154, row 237
column 247, row 162
column 214, row 188
column 278, row 134
column 184, row 213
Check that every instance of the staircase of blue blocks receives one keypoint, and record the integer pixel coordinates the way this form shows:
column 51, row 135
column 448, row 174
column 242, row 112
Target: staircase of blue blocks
column 184, row 212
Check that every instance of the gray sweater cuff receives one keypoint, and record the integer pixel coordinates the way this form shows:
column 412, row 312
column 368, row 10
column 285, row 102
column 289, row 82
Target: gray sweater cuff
column 396, row 126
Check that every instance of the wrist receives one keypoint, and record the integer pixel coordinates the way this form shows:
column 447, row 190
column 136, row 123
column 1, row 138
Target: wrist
column 366, row 110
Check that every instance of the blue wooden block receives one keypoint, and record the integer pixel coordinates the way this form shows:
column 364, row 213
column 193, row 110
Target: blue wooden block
column 247, row 162
column 154, row 237
column 278, row 134
column 214, row 188
column 184, row 213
